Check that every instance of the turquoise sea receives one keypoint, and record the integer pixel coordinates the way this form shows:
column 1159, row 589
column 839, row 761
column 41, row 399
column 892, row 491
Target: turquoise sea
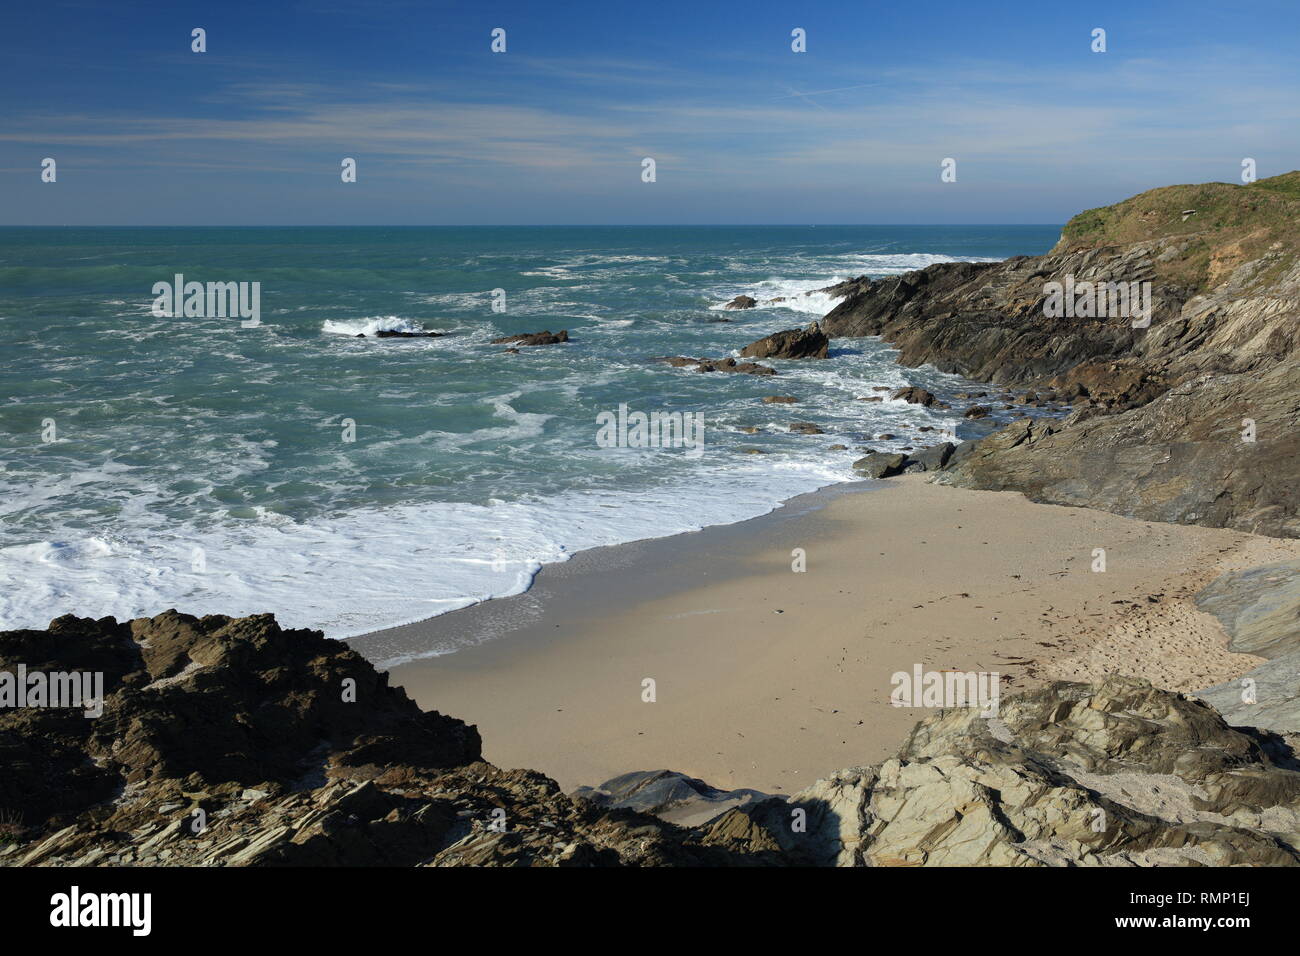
column 153, row 462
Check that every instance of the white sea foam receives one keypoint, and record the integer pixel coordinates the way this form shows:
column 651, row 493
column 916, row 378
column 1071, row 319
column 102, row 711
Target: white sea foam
column 373, row 324
column 804, row 295
column 355, row 568
column 374, row 568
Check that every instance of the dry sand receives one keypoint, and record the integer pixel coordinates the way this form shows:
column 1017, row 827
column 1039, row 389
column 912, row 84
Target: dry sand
column 770, row 678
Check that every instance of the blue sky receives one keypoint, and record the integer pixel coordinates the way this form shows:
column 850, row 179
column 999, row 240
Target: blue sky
column 742, row 129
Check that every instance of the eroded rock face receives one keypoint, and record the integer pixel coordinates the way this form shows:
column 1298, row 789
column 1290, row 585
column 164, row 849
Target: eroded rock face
column 1159, row 412
column 790, row 344
column 233, row 742
column 1179, row 458
column 1120, row 774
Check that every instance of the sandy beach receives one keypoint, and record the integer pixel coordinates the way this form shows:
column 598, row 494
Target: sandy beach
column 768, row 677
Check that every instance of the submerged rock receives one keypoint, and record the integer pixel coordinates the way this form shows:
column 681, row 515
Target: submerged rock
column 805, row 428
column 534, row 338
column 719, row 365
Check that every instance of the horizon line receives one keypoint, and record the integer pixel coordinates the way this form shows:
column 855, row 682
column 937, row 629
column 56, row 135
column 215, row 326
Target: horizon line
column 536, row 225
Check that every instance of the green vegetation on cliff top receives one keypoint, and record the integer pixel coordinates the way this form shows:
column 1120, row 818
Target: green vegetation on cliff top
column 1225, row 225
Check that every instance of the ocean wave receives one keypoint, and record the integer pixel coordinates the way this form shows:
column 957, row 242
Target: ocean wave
column 372, row 325
column 368, row 569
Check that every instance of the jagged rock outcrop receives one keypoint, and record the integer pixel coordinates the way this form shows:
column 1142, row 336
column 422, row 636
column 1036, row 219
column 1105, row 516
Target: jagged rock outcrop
column 719, row 365
column 741, row 302
column 1121, row 774
column 233, row 742
column 790, row 344
column 1195, row 418
column 1179, row 458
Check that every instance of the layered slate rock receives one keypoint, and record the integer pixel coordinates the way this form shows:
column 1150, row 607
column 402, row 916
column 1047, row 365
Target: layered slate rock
column 1161, row 412
column 234, row 742
column 1120, row 774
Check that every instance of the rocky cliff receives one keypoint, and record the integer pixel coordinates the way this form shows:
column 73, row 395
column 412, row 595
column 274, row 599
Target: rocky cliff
column 1193, row 418
column 233, row 742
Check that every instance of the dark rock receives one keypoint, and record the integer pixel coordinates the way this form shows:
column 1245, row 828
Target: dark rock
column 880, row 464
column 298, row 753
column 720, row 365
column 741, row 302
column 805, row 428
column 790, row 344
column 534, row 338
column 913, row 396
column 668, row 795
column 933, row 458
column 960, row 453
column 779, row 399
column 977, row 411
